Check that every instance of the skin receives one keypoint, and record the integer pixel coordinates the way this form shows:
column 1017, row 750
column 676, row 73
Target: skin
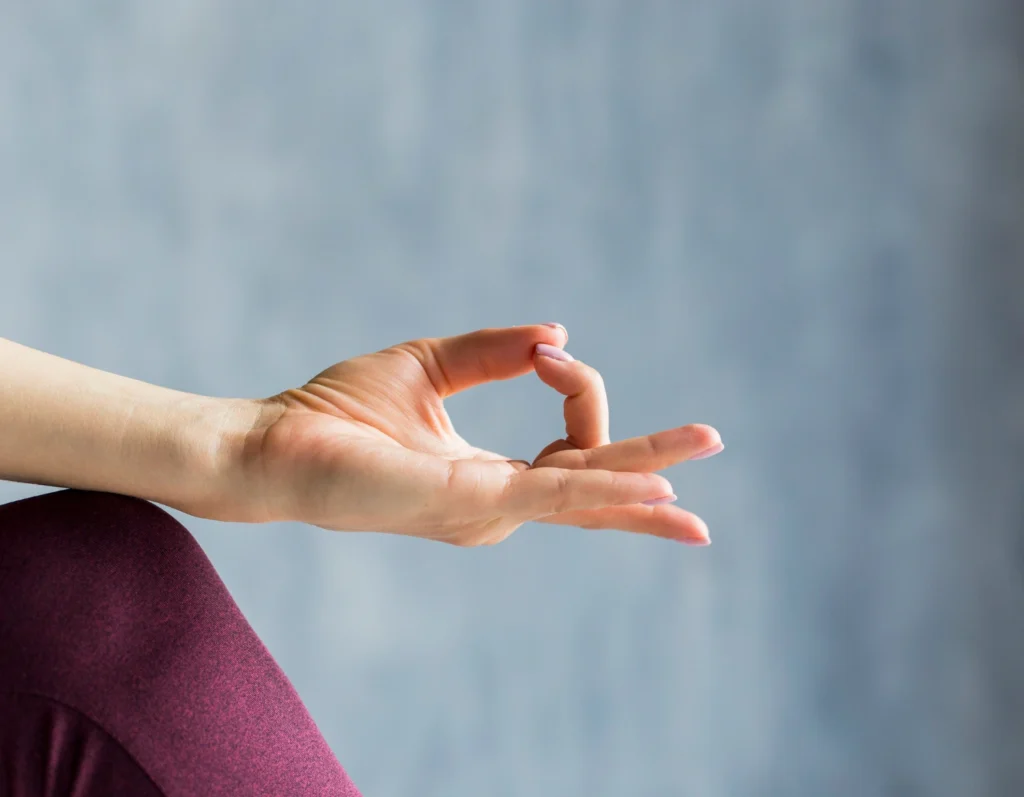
column 365, row 445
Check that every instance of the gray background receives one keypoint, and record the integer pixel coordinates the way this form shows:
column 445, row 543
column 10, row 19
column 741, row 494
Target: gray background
column 801, row 221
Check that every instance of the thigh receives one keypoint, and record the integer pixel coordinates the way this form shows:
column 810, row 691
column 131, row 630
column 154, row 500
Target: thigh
column 122, row 654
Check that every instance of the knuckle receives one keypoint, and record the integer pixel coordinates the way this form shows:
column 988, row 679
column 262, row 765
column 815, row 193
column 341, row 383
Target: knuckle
column 424, row 351
column 592, row 375
column 509, row 489
column 416, row 348
column 564, row 492
column 655, row 444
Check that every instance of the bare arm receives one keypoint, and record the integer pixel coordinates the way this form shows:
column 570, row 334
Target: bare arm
column 65, row 424
column 365, row 445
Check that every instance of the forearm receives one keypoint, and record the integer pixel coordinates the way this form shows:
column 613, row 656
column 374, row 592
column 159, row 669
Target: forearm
column 65, row 424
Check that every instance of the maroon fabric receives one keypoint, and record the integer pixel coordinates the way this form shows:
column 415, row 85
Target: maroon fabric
column 51, row 749
column 126, row 667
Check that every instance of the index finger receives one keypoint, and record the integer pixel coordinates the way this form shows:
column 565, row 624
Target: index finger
column 586, row 403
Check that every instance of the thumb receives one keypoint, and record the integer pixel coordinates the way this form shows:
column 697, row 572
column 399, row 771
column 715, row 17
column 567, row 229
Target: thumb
column 460, row 362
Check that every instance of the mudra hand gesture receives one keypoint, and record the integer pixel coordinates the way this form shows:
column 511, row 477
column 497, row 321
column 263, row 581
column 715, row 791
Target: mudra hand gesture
column 367, row 445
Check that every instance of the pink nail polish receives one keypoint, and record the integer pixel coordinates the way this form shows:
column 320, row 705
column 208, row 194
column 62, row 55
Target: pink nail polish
column 715, row 449
column 665, row 499
column 555, row 353
column 554, row 325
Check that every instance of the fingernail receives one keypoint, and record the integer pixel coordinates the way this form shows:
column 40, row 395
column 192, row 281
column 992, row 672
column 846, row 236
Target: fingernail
column 554, row 325
column 715, row 449
column 705, row 541
column 555, row 353
column 665, row 499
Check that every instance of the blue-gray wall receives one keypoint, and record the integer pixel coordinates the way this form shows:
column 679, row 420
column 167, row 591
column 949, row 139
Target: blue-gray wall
column 801, row 221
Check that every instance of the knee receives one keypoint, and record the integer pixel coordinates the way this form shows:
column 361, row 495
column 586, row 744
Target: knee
column 82, row 553
column 92, row 584
column 114, row 508
column 131, row 524
column 87, row 525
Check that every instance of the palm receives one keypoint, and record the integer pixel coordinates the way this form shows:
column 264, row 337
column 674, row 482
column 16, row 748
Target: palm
column 367, row 444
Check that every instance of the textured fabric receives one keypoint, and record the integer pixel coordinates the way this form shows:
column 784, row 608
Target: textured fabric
column 48, row 749
column 127, row 668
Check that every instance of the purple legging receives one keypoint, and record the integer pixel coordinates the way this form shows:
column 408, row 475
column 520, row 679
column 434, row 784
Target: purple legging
column 126, row 667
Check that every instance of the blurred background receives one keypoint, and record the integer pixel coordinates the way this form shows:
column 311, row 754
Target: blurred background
column 801, row 221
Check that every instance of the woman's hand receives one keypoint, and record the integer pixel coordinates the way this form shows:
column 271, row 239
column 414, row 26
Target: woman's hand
column 367, row 445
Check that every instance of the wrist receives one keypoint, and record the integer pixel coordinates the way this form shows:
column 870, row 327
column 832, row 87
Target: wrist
column 175, row 450
column 233, row 488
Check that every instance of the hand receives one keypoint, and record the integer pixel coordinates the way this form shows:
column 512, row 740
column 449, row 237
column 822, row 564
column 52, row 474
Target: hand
column 587, row 445
column 367, row 445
